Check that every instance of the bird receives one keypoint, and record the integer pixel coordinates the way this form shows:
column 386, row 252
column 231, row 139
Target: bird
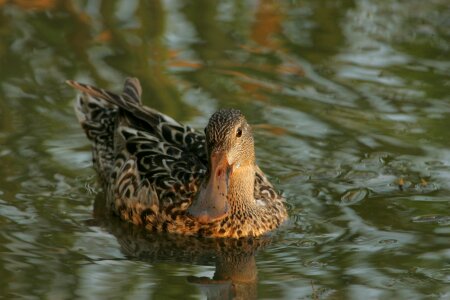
column 168, row 177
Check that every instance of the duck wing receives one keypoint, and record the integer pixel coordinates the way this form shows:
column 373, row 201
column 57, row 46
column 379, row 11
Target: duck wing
column 135, row 115
column 264, row 191
column 156, row 160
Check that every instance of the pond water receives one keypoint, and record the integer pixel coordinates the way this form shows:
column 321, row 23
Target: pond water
column 350, row 101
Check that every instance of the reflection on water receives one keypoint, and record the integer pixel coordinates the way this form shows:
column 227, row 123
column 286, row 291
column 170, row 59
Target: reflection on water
column 350, row 105
column 235, row 271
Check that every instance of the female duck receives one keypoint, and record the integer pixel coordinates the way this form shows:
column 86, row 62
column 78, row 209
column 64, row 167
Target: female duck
column 166, row 176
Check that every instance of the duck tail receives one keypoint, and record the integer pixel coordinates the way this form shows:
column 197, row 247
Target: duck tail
column 131, row 94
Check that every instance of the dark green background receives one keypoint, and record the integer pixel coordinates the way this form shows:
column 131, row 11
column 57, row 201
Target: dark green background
column 348, row 99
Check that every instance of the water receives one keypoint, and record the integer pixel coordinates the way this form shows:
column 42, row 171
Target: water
column 351, row 108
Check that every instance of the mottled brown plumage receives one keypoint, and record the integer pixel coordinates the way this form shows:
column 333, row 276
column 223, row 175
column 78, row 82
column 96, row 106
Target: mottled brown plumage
column 169, row 177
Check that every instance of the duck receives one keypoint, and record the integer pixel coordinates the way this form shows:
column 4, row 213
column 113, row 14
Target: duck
column 169, row 177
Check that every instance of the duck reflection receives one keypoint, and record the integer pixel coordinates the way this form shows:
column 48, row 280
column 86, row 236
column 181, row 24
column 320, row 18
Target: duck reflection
column 235, row 274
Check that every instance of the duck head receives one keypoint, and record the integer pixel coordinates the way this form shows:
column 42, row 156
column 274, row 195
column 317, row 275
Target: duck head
column 230, row 146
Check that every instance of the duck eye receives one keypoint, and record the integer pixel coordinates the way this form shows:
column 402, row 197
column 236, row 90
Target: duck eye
column 239, row 132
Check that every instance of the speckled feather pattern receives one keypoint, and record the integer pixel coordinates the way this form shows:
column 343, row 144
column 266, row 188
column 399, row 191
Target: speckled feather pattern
column 152, row 167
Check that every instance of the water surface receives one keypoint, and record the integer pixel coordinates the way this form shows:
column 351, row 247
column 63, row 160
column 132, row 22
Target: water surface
column 351, row 108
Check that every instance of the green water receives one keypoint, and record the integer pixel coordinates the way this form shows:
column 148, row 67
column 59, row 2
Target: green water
column 351, row 106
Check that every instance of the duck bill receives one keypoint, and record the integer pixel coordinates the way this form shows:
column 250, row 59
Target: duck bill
column 212, row 204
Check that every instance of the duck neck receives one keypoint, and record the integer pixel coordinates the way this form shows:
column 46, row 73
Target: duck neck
column 242, row 188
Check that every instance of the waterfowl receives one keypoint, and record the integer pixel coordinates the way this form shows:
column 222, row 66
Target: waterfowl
column 169, row 177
